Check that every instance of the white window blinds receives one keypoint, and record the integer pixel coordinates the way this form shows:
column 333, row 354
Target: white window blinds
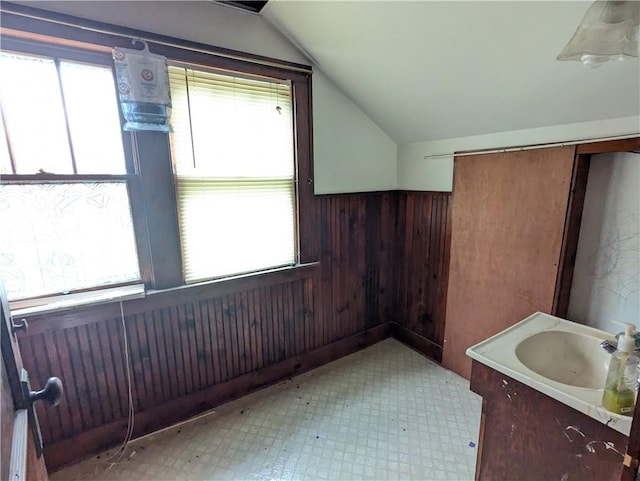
column 232, row 147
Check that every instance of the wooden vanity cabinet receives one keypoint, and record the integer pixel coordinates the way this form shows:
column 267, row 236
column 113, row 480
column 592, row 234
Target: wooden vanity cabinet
column 515, row 225
column 527, row 435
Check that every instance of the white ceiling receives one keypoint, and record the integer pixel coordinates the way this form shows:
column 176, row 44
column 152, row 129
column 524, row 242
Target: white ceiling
column 434, row 70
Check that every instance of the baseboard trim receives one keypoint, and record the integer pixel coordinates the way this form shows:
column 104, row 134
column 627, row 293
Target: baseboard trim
column 416, row 341
column 109, row 435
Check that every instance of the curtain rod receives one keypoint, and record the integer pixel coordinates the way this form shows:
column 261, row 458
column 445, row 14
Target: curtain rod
column 529, row 147
column 107, row 31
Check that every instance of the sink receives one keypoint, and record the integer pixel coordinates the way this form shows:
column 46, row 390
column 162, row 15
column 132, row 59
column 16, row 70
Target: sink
column 570, row 358
column 558, row 358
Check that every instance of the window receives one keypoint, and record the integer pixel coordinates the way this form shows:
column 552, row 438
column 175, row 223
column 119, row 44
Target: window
column 89, row 206
column 233, row 155
column 64, row 202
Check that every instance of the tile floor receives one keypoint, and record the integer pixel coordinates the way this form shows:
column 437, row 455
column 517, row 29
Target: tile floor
column 384, row 413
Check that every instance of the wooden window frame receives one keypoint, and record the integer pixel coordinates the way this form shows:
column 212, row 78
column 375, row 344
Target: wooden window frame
column 149, row 169
column 128, row 177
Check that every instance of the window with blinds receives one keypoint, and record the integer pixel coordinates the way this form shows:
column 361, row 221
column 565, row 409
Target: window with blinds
column 233, row 155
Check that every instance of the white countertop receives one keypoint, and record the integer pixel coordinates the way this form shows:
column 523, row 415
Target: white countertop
column 499, row 353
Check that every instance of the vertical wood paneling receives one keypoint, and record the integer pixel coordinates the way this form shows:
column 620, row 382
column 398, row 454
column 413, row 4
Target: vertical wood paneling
column 209, row 320
column 334, row 316
column 164, row 333
column 199, row 351
column 58, row 427
column 114, row 333
column 424, row 254
column 384, row 272
column 177, row 348
column 221, row 341
column 311, row 313
column 101, row 363
column 174, row 351
column 358, row 261
column 80, row 380
column 265, row 327
column 253, row 301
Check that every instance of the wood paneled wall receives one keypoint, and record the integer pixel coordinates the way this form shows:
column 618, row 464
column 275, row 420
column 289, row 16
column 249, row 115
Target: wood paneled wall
column 194, row 347
column 357, row 261
column 175, row 349
column 423, row 253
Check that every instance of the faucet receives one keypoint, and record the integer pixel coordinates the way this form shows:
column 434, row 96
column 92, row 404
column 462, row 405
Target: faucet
column 609, row 346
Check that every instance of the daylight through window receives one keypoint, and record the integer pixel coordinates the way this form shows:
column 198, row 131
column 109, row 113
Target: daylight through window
column 233, row 153
column 65, row 234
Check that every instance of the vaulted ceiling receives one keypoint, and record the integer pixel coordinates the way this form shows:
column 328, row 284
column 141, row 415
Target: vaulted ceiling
column 425, row 70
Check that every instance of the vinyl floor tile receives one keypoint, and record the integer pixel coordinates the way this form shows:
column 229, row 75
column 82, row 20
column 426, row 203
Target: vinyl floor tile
column 384, row 413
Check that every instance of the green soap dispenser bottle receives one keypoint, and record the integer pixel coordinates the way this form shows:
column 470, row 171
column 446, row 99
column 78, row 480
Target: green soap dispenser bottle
column 621, row 386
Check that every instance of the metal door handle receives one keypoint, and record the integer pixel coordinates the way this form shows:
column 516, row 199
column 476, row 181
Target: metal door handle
column 52, row 392
column 23, row 326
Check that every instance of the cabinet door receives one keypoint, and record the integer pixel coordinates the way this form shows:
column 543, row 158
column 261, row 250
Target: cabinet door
column 508, row 219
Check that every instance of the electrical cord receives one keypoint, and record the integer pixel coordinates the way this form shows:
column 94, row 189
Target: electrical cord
column 118, row 456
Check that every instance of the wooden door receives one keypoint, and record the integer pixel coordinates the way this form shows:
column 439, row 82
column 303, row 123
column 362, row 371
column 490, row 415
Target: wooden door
column 508, row 220
column 19, row 457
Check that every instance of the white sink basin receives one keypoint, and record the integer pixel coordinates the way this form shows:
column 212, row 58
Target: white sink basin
column 556, row 357
column 566, row 357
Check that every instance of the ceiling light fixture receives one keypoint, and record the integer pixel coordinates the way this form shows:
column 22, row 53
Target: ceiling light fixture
column 608, row 31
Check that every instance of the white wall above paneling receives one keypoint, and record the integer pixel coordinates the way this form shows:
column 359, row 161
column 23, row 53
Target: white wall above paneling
column 415, row 172
column 606, row 278
column 351, row 153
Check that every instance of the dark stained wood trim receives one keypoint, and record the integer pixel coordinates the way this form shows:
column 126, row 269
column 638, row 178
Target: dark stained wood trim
column 58, row 25
column 28, row 40
column 157, row 190
column 94, row 440
column 444, row 280
column 308, row 234
column 32, row 43
column 416, row 341
column 570, row 235
column 139, row 219
column 607, row 146
column 160, row 299
column 483, row 424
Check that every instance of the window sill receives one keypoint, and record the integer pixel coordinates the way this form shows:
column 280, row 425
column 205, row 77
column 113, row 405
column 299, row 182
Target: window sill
column 236, row 282
column 84, row 299
column 160, row 297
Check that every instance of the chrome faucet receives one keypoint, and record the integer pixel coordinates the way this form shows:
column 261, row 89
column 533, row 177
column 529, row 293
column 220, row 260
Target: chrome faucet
column 609, row 346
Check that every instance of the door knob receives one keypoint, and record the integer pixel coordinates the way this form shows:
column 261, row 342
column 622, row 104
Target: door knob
column 52, row 392
column 23, row 326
